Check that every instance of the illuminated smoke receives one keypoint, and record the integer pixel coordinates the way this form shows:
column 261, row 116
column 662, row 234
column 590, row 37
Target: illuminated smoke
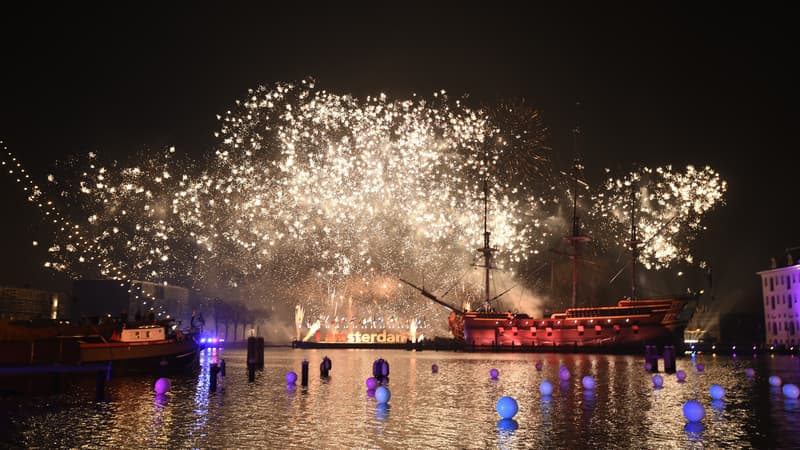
column 311, row 330
column 299, row 312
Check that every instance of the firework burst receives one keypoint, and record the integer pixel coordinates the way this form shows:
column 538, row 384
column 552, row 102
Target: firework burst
column 665, row 206
column 324, row 200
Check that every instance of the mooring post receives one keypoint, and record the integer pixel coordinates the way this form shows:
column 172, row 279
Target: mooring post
column 304, row 375
column 669, row 359
column 651, row 358
column 325, row 367
column 252, row 358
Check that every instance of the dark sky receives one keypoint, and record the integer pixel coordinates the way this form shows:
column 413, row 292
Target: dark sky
column 662, row 84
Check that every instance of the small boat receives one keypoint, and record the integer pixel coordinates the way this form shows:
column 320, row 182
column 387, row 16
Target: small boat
column 143, row 347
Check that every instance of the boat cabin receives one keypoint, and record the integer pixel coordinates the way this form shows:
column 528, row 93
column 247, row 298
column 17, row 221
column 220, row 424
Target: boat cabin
column 143, row 334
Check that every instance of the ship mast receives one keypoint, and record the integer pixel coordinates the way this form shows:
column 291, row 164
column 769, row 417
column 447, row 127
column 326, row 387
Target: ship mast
column 575, row 239
column 487, row 249
column 634, row 242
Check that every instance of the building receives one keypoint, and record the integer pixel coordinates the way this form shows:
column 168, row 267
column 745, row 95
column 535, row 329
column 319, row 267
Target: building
column 781, row 291
column 28, row 304
column 94, row 299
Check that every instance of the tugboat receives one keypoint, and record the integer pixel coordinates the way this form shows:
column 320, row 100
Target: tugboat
column 627, row 327
column 142, row 347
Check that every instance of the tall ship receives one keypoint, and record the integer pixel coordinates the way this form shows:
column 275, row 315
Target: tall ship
column 628, row 326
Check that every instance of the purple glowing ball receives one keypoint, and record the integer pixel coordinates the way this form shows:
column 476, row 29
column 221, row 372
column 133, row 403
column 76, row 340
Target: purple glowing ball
column 750, row 372
column 546, row 388
column 291, row 377
column 163, row 385
column 681, row 376
column 494, row 373
column 372, row 383
column 775, row 381
column 382, row 394
column 435, row 368
column 564, row 374
column 693, row 411
column 701, row 367
column 717, row 392
column 539, row 365
column 658, row 381
column 648, row 367
column 588, row 382
column 791, row 391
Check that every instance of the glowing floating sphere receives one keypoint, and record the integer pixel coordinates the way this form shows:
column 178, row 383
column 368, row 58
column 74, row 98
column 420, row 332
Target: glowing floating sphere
column 648, row 367
column 435, row 368
column 791, row 391
column 507, row 407
column 693, row 411
column 775, row 381
column 546, row 388
column 717, row 392
column 564, row 375
column 539, row 366
column 382, row 394
column 701, row 367
column 494, row 373
column 163, row 385
column 372, row 383
column 588, row 382
column 291, row 377
column 658, row 381
column 750, row 372
column 681, row 375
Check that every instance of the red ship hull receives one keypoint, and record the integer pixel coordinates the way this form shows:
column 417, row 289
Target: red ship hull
column 630, row 324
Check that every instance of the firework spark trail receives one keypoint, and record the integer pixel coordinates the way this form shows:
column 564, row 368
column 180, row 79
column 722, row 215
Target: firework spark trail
column 309, row 192
column 669, row 206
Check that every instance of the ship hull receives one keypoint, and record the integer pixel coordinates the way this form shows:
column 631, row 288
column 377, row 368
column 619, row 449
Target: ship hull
column 168, row 354
column 629, row 326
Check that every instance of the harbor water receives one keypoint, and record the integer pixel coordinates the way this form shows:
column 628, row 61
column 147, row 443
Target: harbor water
column 454, row 407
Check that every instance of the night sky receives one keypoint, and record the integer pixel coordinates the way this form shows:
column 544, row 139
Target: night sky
column 666, row 84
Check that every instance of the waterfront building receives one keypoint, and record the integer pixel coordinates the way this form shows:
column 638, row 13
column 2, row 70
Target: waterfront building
column 28, row 304
column 95, row 299
column 780, row 286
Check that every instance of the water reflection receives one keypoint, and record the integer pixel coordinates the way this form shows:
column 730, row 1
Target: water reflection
column 454, row 408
